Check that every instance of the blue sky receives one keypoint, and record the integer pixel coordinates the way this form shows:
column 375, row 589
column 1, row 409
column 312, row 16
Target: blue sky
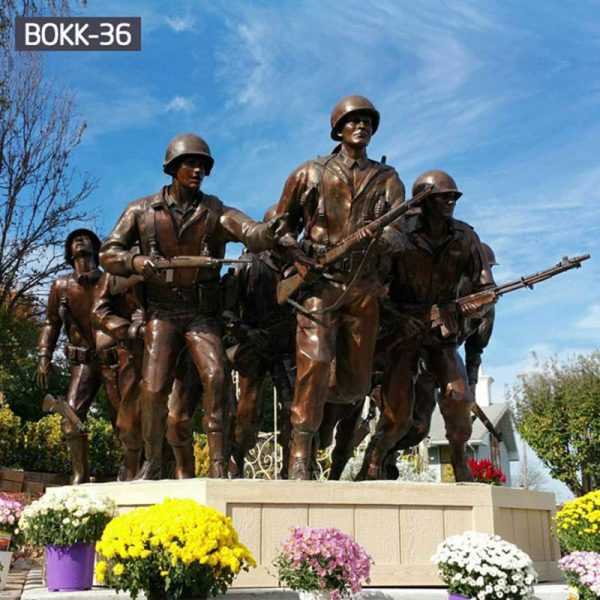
column 503, row 95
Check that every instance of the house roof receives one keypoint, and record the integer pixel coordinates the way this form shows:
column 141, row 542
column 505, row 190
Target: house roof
column 500, row 416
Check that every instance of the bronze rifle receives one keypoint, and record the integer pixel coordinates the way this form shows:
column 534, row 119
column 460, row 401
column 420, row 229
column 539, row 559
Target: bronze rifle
column 490, row 295
column 307, row 274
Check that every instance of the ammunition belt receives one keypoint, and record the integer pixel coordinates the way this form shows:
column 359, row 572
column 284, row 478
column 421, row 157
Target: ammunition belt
column 79, row 355
column 204, row 297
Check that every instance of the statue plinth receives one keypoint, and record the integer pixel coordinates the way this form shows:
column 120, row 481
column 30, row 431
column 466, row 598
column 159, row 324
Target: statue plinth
column 400, row 524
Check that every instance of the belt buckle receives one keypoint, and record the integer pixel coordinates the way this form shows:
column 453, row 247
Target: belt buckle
column 346, row 264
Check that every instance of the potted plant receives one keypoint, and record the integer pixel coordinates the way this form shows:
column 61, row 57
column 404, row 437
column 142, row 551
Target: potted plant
column 322, row 564
column 484, row 471
column 582, row 572
column 484, row 566
column 10, row 512
column 67, row 523
column 578, row 523
column 176, row 550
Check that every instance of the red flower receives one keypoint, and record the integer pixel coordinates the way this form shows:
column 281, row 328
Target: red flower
column 484, row 471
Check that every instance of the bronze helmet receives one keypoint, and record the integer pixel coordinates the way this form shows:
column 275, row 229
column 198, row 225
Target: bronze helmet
column 187, row 144
column 440, row 180
column 347, row 105
column 81, row 231
column 489, row 254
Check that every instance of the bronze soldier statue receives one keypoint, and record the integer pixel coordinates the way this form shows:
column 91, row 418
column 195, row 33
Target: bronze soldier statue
column 69, row 306
column 117, row 311
column 432, row 254
column 264, row 335
column 326, row 200
column 476, row 334
column 183, row 307
column 117, row 317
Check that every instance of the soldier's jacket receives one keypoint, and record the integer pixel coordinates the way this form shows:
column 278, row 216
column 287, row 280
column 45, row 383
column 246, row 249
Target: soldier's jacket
column 69, row 305
column 257, row 284
column 331, row 197
column 115, row 301
column 150, row 223
column 423, row 275
column 257, row 308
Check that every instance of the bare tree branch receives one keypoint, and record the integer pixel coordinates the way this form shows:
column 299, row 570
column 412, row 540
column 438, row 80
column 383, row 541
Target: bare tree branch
column 41, row 196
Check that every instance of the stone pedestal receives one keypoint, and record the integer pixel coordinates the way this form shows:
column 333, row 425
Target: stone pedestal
column 400, row 524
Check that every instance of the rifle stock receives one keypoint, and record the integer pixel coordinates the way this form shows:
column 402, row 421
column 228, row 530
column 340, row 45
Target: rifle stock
column 478, row 412
column 288, row 286
column 58, row 405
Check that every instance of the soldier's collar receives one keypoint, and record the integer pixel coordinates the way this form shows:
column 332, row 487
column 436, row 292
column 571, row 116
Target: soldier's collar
column 414, row 223
column 170, row 201
column 87, row 277
column 362, row 162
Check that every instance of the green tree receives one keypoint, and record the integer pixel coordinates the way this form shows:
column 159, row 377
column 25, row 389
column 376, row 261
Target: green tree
column 558, row 415
column 18, row 363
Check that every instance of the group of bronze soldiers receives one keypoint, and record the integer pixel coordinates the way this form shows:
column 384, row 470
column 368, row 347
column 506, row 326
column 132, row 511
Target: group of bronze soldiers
column 371, row 292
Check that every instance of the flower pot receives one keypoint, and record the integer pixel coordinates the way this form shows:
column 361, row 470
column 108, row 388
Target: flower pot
column 455, row 596
column 70, row 568
column 5, row 564
column 314, row 595
column 5, row 538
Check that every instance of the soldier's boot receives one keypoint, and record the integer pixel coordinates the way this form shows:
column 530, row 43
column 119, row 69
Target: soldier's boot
column 372, row 467
column 130, row 465
column 300, row 455
column 78, row 448
column 389, row 468
column 152, row 467
column 245, row 440
column 216, row 454
column 185, row 464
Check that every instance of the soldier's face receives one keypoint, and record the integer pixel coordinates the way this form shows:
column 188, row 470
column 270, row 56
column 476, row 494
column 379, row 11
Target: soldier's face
column 440, row 206
column 81, row 245
column 357, row 129
column 190, row 172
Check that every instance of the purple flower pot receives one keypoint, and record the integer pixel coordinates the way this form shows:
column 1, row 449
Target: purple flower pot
column 453, row 596
column 70, row 568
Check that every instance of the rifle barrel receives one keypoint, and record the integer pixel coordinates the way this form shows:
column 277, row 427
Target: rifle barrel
column 194, row 262
column 566, row 264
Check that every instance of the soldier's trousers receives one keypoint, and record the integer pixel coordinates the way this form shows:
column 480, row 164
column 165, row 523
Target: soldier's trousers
column 185, row 397
column 447, row 369
column 347, row 335
column 121, row 373
column 164, row 340
column 84, row 383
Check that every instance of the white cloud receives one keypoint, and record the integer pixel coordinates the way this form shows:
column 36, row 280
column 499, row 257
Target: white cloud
column 129, row 108
column 179, row 24
column 591, row 321
column 180, row 104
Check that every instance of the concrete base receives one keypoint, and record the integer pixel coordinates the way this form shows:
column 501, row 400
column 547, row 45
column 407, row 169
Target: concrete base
column 34, row 590
column 400, row 524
